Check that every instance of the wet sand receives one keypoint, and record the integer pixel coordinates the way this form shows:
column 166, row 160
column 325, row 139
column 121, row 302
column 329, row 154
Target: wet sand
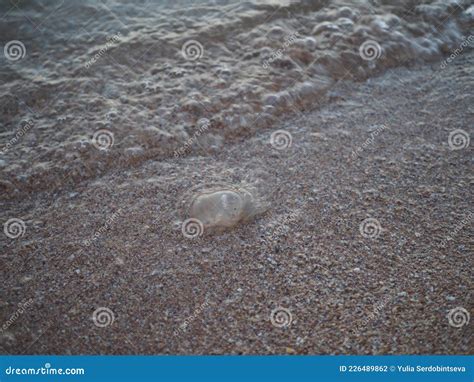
column 115, row 241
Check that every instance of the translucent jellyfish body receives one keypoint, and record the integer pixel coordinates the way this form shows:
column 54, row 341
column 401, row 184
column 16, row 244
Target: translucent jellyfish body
column 224, row 207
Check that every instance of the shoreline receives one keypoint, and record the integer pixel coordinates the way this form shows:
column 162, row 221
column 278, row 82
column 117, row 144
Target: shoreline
column 322, row 266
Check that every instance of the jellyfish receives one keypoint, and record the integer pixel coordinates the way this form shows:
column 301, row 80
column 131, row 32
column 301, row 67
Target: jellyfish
column 225, row 207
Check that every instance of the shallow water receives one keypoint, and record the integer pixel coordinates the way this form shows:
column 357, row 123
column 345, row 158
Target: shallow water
column 108, row 84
